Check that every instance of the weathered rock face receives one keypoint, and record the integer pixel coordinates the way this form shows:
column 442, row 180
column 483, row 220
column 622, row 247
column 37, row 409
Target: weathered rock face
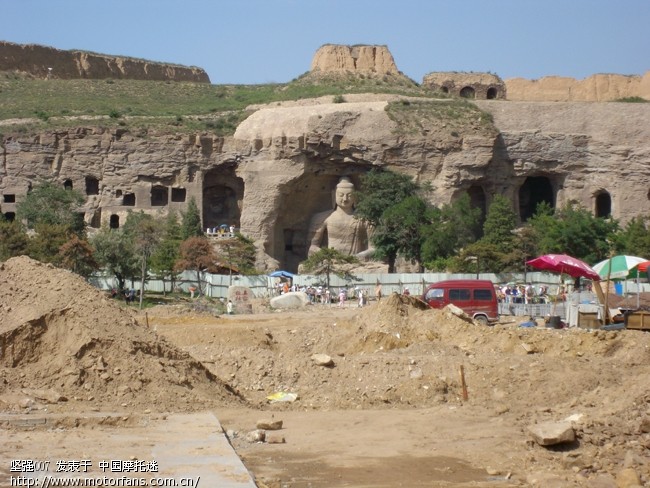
column 360, row 59
column 283, row 163
column 596, row 88
column 37, row 61
column 481, row 86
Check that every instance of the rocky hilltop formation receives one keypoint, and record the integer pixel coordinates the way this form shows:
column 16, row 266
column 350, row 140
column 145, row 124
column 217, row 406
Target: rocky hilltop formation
column 336, row 58
column 596, row 88
column 44, row 62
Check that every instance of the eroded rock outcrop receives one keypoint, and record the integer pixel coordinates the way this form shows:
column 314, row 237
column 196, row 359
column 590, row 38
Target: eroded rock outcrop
column 360, row 59
column 44, row 62
column 596, row 88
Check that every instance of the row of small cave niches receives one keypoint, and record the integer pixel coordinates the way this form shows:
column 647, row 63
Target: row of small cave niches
column 159, row 196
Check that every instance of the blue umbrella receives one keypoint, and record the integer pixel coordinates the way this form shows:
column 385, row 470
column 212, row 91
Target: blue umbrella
column 281, row 274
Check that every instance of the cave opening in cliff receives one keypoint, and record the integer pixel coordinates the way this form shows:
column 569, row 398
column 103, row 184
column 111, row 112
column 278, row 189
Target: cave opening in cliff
column 92, row 185
column 492, row 93
column 114, row 222
column 9, row 198
column 535, row 190
column 159, row 196
column 477, row 199
column 96, row 220
column 67, row 184
column 178, row 194
column 128, row 200
column 603, row 204
column 10, row 216
column 223, row 193
column 467, row 92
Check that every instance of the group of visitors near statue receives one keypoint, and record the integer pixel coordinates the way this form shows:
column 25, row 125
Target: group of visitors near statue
column 323, row 295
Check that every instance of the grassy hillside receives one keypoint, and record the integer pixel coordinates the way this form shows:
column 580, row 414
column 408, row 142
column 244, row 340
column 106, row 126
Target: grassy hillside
column 30, row 105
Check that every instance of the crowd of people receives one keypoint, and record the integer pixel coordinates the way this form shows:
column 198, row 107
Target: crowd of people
column 513, row 293
column 221, row 231
column 325, row 296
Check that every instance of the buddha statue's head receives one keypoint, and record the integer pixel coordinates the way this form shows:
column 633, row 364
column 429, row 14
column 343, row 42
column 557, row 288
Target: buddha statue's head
column 344, row 194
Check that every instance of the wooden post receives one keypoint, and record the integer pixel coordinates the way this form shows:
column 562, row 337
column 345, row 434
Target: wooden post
column 607, row 317
column 146, row 318
column 462, row 382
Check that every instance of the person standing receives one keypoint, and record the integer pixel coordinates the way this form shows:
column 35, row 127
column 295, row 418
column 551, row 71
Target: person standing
column 229, row 307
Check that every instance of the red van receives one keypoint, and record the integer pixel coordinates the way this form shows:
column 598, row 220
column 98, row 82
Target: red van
column 477, row 298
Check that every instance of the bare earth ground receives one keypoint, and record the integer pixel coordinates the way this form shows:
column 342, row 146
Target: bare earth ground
column 388, row 412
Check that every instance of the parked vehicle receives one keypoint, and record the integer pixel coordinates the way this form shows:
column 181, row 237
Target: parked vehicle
column 477, row 298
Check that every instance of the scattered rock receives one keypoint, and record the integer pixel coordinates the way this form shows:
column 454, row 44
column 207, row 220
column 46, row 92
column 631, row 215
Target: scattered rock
column 269, row 424
column 49, row 396
column 628, row 478
column 257, row 435
column 275, row 438
column 552, row 433
column 322, row 360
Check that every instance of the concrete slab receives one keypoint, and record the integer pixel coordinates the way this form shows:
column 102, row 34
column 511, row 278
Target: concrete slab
column 189, row 450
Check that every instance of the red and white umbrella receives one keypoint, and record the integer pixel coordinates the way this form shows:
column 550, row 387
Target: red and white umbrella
column 564, row 264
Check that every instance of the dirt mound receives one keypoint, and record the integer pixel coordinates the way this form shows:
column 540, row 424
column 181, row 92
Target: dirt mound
column 394, row 323
column 63, row 340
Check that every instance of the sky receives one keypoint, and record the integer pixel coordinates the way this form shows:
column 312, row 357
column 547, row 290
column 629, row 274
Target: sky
column 274, row 41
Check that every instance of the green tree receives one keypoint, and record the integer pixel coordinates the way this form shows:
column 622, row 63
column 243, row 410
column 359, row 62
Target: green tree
column 327, row 261
column 167, row 252
column 634, row 238
column 574, row 231
column 451, row 228
column 144, row 231
column 240, row 254
column 191, row 221
column 500, row 223
column 478, row 257
column 405, row 222
column 51, row 204
column 114, row 251
column 197, row 254
column 78, row 256
column 13, row 240
column 381, row 190
column 45, row 244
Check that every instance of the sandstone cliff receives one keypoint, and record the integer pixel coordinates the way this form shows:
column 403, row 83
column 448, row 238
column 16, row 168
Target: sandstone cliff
column 360, row 59
column 283, row 162
column 596, row 88
column 37, row 61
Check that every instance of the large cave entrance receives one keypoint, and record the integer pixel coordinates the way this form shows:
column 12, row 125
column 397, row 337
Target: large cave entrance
column 603, row 204
column 223, row 193
column 535, row 190
column 300, row 205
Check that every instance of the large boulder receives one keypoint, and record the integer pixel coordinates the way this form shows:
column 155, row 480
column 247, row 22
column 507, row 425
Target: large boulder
column 293, row 299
